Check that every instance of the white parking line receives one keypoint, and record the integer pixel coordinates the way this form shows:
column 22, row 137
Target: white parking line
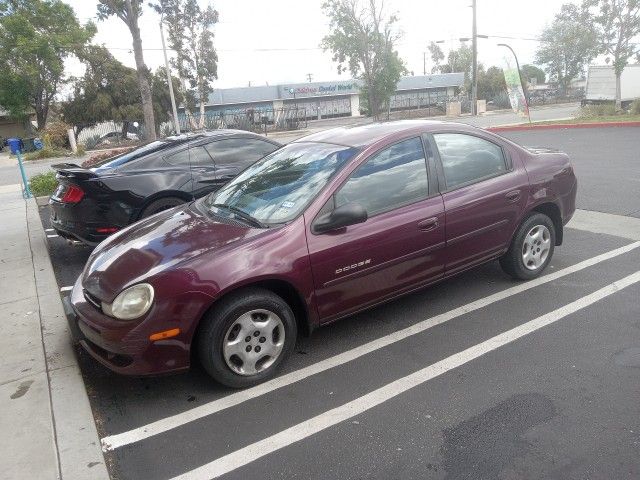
column 52, row 236
column 165, row 424
column 49, row 230
column 332, row 417
column 66, row 289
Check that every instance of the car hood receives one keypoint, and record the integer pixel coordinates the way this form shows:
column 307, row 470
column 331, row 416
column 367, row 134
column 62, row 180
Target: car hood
column 157, row 244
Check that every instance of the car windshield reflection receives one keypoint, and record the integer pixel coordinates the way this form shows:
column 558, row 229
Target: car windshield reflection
column 278, row 187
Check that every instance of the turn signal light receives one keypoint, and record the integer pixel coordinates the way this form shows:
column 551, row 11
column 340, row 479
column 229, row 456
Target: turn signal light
column 174, row 332
column 73, row 194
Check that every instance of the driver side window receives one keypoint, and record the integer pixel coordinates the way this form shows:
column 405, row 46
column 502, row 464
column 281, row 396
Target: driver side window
column 394, row 177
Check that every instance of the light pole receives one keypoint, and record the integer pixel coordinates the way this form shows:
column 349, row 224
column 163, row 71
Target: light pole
column 474, row 66
column 524, row 92
column 176, row 123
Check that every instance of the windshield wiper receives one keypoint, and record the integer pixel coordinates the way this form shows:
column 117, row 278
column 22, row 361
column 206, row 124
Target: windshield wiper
column 242, row 214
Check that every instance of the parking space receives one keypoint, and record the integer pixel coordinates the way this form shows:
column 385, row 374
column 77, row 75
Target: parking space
column 477, row 377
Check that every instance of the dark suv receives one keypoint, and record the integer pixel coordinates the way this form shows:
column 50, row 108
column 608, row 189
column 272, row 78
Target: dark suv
column 329, row 225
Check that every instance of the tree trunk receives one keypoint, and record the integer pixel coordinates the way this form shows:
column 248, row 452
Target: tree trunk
column 143, row 82
column 618, row 92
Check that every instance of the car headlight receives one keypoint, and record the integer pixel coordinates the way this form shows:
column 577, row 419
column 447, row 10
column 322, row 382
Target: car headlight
column 131, row 303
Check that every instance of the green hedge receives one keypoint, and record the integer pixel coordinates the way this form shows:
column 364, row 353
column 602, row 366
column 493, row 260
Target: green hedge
column 43, row 184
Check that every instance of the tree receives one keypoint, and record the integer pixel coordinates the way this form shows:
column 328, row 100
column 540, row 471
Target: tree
column 362, row 41
column 491, row 82
column 129, row 11
column 531, row 71
column 460, row 60
column 107, row 91
column 567, row 45
column 191, row 37
column 436, row 56
column 36, row 36
column 617, row 23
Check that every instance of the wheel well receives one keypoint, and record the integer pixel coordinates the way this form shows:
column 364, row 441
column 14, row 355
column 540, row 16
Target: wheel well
column 284, row 290
column 552, row 211
column 158, row 196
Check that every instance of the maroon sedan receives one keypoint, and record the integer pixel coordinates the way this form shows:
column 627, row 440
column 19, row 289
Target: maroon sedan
column 331, row 224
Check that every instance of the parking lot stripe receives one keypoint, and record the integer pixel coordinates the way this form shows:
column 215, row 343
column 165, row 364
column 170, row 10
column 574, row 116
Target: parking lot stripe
column 165, row 424
column 49, row 230
column 52, row 236
column 337, row 415
column 66, row 289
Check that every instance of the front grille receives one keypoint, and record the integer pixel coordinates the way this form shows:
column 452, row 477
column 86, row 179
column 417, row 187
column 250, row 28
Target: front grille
column 92, row 300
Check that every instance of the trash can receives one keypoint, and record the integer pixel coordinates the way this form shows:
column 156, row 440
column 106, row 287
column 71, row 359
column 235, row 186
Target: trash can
column 14, row 145
column 28, row 145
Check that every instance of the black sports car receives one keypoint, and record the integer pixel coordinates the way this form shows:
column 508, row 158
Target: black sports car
column 92, row 203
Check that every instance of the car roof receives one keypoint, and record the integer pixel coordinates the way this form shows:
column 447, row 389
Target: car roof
column 223, row 132
column 364, row 135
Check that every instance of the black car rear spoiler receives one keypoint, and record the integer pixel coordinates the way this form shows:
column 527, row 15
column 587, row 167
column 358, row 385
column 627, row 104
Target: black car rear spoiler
column 71, row 170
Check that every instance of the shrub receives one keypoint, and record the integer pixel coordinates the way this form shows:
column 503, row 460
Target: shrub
column 43, row 184
column 46, row 152
column 98, row 157
column 635, row 107
column 92, row 141
column 55, row 135
column 598, row 110
column 81, row 150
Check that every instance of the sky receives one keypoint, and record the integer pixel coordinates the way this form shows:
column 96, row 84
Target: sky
column 277, row 41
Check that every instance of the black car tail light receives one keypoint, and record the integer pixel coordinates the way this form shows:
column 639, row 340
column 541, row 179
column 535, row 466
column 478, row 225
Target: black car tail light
column 73, row 194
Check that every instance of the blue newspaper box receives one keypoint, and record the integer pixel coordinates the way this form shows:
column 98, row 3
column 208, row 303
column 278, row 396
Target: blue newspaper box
column 14, row 145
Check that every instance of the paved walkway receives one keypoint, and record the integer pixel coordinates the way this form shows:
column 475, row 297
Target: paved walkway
column 46, row 427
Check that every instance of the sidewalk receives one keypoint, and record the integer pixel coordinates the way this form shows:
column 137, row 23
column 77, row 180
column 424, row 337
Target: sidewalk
column 47, row 429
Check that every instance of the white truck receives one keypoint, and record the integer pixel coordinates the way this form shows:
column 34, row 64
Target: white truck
column 601, row 85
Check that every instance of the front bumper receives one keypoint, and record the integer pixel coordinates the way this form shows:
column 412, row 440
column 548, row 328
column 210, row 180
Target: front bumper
column 123, row 346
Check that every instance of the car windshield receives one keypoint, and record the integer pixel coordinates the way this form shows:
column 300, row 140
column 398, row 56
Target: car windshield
column 278, row 187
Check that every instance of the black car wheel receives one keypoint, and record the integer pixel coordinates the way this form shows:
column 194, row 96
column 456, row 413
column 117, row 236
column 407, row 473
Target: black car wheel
column 246, row 337
column 160, row 205
column 531, row 248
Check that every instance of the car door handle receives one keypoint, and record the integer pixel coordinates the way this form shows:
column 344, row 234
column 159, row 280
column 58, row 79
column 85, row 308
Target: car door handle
column 428, row 224
column 513, row 196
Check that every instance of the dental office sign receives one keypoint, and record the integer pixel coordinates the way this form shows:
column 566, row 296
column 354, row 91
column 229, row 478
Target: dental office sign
column 319, row 89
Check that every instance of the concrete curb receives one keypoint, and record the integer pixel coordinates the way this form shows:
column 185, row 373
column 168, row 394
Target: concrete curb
column 78, row 445
column 511, row 128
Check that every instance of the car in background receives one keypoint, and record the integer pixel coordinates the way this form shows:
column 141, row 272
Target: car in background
column 116, row 138
column 328, row 225
column 92, row 203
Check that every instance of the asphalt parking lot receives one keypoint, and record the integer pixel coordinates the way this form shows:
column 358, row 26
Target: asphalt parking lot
column 479, row 377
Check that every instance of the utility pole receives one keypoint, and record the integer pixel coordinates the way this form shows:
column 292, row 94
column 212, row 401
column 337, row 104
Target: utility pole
column 176, row 122
column 310, row 77
column 424, row 63
column 474, row 67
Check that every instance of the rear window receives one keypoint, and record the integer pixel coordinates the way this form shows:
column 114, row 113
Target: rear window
column 139, row 152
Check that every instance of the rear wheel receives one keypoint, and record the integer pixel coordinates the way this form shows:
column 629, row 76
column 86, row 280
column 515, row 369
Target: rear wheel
column 160, row 205
column 246, row 337
column 531, row 248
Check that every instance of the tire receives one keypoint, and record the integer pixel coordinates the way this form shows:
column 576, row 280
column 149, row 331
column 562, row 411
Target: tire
column 159, row 205
column 229, row 329
column 527, row 256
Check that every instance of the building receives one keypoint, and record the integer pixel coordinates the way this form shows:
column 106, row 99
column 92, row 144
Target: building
column 340, row 98
column 10, row 127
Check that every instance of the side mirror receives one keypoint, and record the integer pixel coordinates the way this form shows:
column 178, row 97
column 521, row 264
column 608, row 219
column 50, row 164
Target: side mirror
column 343, row 216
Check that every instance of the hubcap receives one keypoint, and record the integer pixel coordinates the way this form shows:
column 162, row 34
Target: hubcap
column 536, row 247
column 253, row 342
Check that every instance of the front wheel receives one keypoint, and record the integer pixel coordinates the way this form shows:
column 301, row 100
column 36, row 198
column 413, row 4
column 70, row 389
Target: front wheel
column 531, row 248
column 246, row 337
